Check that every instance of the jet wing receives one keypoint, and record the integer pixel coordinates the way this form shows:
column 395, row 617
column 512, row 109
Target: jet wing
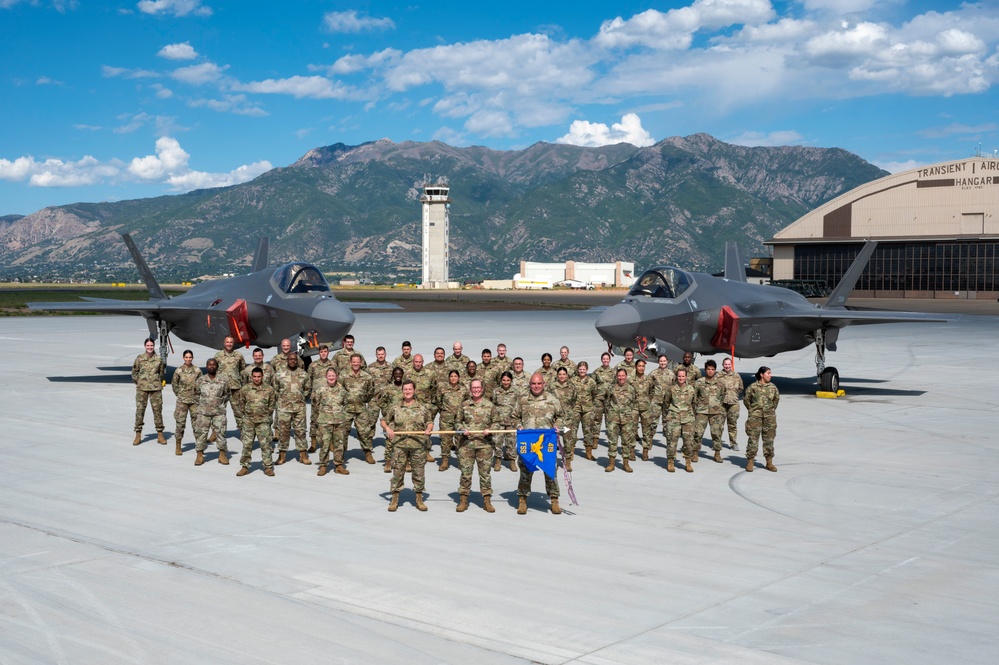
column 362, row 306
column 840, row 318
column 108, row 306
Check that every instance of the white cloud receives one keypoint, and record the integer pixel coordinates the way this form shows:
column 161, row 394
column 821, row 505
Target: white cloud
column 174, row 7
column 162, row 92
column 112, row 72
column 595, row 134
column 169, row 159
column 351, row 21
column 314, row 87
column 207, row 72
column 783, row 137
column 56, row 172
column 675, row 28
column 181, row 51
column 957, row 129
column 185, row 182
column 898, row 167
column 236, row 104
column 350, row 64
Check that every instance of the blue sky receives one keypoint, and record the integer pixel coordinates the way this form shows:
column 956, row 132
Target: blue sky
column 111, row 101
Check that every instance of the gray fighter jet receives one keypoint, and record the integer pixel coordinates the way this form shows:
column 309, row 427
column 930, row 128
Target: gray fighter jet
column 670, row 311
column 262, row 308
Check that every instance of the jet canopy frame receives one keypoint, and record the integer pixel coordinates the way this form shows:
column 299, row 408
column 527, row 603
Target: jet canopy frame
column 662, row 282
column 300, row 278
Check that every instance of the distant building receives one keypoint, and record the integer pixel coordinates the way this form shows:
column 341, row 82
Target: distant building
column 435, row 203
column 937, row 227
column 620, row 273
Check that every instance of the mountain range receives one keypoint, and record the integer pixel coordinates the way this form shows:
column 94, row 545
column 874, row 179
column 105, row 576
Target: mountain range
column 356, row 209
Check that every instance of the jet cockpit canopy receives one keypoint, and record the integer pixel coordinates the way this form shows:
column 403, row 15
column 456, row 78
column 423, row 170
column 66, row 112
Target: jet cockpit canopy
column 662, row 282
column 294, row 278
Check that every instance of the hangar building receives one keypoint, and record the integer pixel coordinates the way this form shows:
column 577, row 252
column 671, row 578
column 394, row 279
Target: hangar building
column 938, row 229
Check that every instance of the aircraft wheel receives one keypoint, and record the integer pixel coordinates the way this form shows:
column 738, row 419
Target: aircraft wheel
column 829, row 380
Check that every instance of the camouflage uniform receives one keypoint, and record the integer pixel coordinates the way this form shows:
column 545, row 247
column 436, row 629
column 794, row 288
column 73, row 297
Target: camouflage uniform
column 627, row 367
column 329, row 410
column 603, row 376
column 678, row 415
column 502, row 365
column 293, row 388
column 426, row 389
column 489, row 374
column 317, row 377
column 586, row 409
column 570, row 366
column 732, row 382
column 381, row 373
column 761, row 404
column 549, row 374
column 258, row 406
column 459, row 363
column 408, row 449
column 278, row 362
column 708, row 406
column 477, row 448
column 566, row 393
column 231, row 366
column 647, row 414
column 362, row 414
column 621, row 410
column 405, row 363
column 537, row 412
column 386, row 398
column 264, row 367
column 661, row 379
column 341, row 360
column 522, row 381
column 184, row 378
column 212, row 395
column 147, row 375
column 693, row 373
column 504, row 399
column 450, row 399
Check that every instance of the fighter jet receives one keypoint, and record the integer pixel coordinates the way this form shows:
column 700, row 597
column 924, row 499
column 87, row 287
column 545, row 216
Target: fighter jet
column 670, row 311
column 262, row 308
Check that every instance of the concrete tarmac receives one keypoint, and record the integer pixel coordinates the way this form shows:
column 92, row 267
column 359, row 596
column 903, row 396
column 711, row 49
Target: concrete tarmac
column 877, row 541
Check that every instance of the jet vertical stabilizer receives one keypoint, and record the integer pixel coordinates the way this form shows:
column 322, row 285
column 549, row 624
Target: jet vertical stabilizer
column 260, row 256
column 853, row 273
column 155, row 292
column 735, row 268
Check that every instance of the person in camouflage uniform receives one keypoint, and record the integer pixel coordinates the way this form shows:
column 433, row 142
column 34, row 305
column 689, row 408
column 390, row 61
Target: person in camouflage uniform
column 212, row 393
column 662, row 378
column 258, row 361
column 361, row 410
column 317, row 377
column 565, row 361
column 438, row 368
column 732, row 382
column 503, row 362
column 341, row 359
column 547, row 371
column 182, row 384
column 148, row 370
column 488, row 372
column 605, row 376
column 565, row 390
column 761, row 404
column 586, row 407
column 537, row 409
column 405, row 361
column 329, row 402
column 521, row 379
column 708, row 406
column 449, row 399
column 280, row 359
column 476, row 416
column 457, row 360
column 693, row 373
column 470, row 374
column 259, row 402
column 504, row 398
column 628, row 364
column 409, row 449
column 648, row 415
column 231, row 365
column 678, row 414
column 293, row 388
column 380, row 370
column 426, row 390
column 620, row 402
column 388, row 396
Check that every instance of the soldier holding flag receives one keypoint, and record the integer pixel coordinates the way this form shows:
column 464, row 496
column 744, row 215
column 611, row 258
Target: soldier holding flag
column 538, row 409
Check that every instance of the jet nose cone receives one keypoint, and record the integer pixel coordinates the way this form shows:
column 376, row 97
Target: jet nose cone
column 332, row 318
column 619, row 325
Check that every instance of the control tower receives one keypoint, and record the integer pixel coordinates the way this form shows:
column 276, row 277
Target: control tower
column 435, row 202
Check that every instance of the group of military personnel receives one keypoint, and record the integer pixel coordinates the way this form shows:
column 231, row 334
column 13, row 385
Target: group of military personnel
column 478, row 408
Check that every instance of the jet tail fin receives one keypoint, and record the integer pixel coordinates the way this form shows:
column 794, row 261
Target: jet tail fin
column 735, row 269
column 853, row 273
column 155, row 292
column 260, row 256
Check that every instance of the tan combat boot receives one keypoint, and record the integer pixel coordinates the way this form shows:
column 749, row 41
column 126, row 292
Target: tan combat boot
column 160, row 438
column 242, row 472
column 444, row 465
column 556, row 510
column 322, row 470
column 223, row 457
column 368, row 457
column 269, row 471
column 497, row 464
column 513, row 465
column 388, row 466
column 645, row 455
column 312, row 446
column 487, row 504
column 631, row 456
column 669, row 465
column 341, row 470
column 303, row 457
column 610, row 465
column 770, row 464
column 138, row 439
column 430, row 456
column 179, row 450
column 749, row 464
column 626, row 466
column 394, row 503
column 280, row 459
column 589, row 453
column 568, row 465
column 690, row 467
column 212, row 437
column 200, row 459
column 422, row 507
column 522, row 506
column 462, row 504
column 718, row 457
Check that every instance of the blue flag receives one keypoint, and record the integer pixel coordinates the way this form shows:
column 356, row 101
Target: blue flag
column 537, row 448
